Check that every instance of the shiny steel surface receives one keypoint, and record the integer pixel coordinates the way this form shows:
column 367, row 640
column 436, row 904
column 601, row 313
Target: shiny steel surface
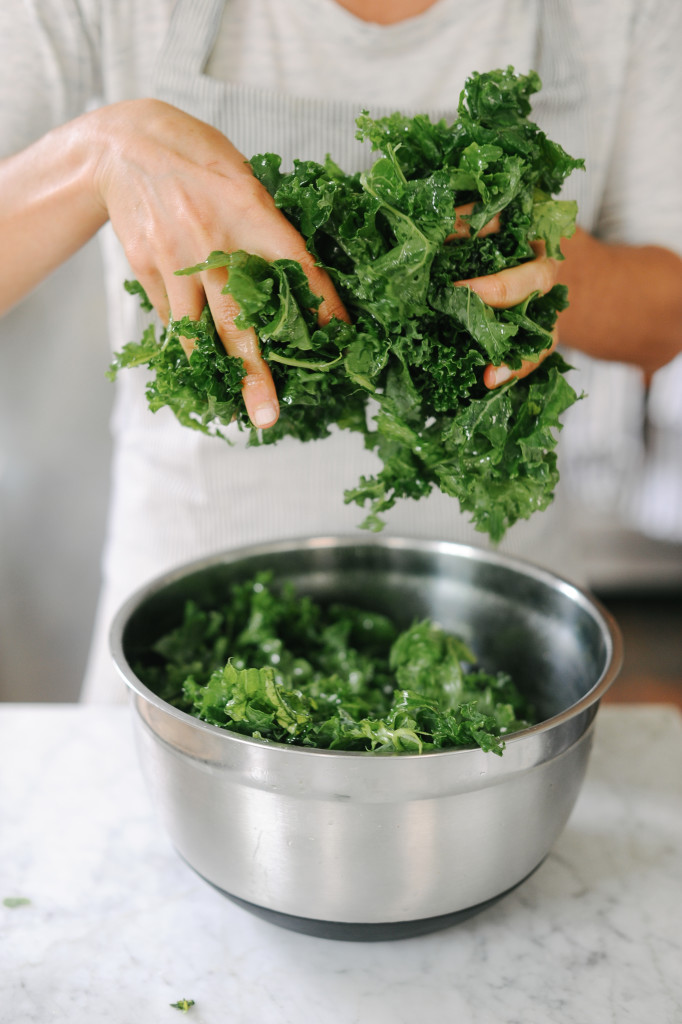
column 380, row 838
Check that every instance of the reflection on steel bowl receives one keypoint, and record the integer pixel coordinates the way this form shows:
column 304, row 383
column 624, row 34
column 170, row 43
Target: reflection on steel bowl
column 363, row 845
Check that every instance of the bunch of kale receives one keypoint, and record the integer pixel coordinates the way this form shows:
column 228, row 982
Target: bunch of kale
column 407, row 373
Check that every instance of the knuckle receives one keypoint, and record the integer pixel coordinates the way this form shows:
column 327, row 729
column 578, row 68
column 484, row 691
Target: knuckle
column 141, row 259
column 249, row 198
column 243, row 345
column 255, row 380
column 334, row 309
column 310, row 266
column 497, row 290
column 193, row 218
column 225, row 310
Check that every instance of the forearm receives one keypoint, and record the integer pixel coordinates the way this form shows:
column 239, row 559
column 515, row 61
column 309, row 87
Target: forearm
column 625, row 301
column 49, row 207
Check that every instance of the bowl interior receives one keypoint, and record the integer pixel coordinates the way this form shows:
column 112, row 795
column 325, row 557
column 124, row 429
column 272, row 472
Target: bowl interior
column 556, row 642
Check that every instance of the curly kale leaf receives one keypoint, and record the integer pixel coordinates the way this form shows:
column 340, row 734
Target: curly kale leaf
column 202, row 391
column 183, row 1004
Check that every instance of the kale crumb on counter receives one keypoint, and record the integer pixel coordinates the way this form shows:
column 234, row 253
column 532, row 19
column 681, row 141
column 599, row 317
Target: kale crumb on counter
column 279, row 666
column 15, row 901
column 406, row 373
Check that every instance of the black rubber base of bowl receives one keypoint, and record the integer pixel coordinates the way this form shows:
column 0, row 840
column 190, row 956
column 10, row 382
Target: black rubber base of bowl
column 358, row 932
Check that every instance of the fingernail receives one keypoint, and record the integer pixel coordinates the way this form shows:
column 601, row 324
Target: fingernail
column 264, row 415
column 502, row 375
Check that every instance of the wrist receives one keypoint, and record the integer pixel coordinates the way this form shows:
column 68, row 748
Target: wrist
column 625, row 301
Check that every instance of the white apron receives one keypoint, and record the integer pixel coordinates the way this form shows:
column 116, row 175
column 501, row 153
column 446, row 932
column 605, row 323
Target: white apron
column 177, row 495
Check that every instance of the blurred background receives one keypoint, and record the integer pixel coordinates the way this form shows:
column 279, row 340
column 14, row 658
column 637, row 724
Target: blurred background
column 622, row 453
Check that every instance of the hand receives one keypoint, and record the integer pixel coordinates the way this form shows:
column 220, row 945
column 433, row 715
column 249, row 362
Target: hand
column 509, row 288
column 175, row 189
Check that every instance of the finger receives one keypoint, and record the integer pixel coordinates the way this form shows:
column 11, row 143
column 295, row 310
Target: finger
column 512, row 286
column 152, row 280
column 462, row 227
column 320, row 284
column 186, row 298
column 258, row 388
column 290, row 245
column 494, row 376
column 189, row 295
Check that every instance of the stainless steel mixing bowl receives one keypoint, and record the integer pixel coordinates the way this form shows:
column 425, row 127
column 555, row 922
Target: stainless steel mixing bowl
column 360, row 845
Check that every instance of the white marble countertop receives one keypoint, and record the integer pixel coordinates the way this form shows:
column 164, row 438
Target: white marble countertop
column 118, row 927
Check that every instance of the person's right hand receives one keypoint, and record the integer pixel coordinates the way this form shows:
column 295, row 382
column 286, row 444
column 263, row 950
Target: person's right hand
column 175, row 190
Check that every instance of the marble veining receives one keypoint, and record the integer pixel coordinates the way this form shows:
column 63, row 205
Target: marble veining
column 119, row 927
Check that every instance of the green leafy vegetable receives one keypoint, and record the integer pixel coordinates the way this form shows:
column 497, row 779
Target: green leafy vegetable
column 15, row 901
column 183, row 1004
column 278, row 666
column 407, row 374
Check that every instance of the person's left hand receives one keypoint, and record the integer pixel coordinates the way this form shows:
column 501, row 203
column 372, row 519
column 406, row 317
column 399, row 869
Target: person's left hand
column 509, row 288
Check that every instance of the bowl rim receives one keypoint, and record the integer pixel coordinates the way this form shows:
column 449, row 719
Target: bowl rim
column 580, row 595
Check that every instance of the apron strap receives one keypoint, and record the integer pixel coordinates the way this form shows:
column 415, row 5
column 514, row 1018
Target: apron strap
column 193, row 27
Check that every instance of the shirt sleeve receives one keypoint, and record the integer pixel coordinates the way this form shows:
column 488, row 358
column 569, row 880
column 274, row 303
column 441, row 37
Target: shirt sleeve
column 642, row 197
column 49, row 71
